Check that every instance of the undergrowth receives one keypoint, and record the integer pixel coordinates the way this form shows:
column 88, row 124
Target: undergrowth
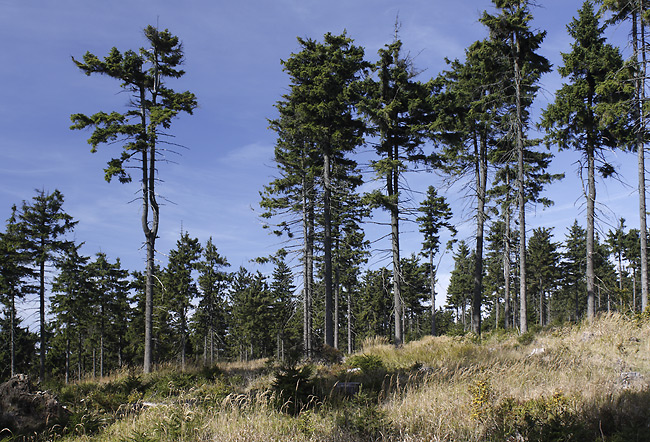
column 567, row 383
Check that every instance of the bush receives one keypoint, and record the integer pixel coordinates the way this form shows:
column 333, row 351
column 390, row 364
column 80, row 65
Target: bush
column 294, row 389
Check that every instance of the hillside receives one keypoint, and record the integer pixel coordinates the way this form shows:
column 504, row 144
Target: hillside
column 582, row 382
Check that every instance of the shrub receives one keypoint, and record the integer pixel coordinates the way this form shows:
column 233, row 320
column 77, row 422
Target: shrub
column 294, row 389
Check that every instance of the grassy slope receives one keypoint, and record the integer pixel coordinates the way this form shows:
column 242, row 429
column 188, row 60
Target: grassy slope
column 590, row 382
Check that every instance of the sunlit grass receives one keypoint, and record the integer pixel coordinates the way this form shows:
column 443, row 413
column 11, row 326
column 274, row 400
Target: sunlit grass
column 582, row 382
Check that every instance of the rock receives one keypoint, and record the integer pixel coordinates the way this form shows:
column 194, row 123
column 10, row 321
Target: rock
column 24, row 410
column 537, row 351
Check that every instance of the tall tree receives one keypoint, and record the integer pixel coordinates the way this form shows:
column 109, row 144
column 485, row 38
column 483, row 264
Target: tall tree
column 14, row 271
column 43, row 224
column 141, row 129
column 636, row 12
column 436, row 215
column 543, row 263
column 582, row 117
column 398, row 109
column 322, row 75
column 211, row 311
column 471, row 103
column 461, row 283
column 179, row 286
column 71, row 303
column 510, row 29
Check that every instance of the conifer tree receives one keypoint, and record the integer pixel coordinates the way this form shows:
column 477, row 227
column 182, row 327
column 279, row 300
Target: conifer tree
column 436, row 215
column 210, row 316
column 322, row 106
column 180, row 288
column 582, row 116
column 511, row 31
column 42, row 224
column 543, row 262
column 470, row 104
column 14, row 272
column 141, row 129
column 636, row 12
column 461, row 284
column 398, row 108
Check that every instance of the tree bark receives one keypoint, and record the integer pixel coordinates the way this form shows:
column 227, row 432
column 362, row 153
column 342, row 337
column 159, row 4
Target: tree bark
column 480, row 151
column 523, row 308
column 327, row 246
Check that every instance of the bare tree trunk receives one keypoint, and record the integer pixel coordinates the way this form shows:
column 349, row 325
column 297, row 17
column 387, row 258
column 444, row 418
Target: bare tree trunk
column 523, row 308
column 507, row 315
column 432, row 281
column 327, row 248
column 41, row 293
column 480, row 150
column 350, row 346
column 12, row 337
column 337, row 294
column 591, row 199
column 639, row 31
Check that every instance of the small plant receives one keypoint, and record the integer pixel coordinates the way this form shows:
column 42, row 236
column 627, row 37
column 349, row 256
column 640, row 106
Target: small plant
column 294, row 389
column 369, row 364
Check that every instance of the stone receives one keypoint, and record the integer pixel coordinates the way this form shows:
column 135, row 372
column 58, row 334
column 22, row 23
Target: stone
column 24, row 410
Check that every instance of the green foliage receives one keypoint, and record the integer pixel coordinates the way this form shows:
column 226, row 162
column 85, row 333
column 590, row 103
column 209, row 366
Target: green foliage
column 368, row 363
column 362, row 418
column 294, row 389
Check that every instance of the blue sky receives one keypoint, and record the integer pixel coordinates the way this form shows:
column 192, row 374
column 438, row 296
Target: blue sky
column 233, row 52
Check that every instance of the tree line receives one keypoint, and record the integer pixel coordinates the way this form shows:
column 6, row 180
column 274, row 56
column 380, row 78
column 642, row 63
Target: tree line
column 471, row 122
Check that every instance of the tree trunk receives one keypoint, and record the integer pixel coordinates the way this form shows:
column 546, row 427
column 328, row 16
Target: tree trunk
column 507, row 314
column 640, row 146
column 432, row 281
column 591, row 199
column 337, row 294
column 12, row 336
column 523, row 308
column 392, row 187
column 41, row 294
column 350, row 346
column 480, row 151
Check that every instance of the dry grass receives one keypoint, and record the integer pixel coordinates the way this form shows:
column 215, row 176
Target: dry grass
column 590, row 382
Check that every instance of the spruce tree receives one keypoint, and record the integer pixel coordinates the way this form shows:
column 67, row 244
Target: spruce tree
column 141, row 129
column 322, row 103
column 43, row 224
column 180, row 287
column 14, row 273
column 436, row 215
column 398, row 108
column 518, row 44
column 210, row 316
column 584, row 115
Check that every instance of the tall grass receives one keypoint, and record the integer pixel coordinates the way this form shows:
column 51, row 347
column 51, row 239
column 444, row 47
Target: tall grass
column 582, row 382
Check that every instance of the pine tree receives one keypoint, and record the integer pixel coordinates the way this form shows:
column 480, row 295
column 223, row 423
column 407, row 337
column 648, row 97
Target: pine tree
column 582, row 116
column 461, row 283
column 283, row 302
column 71, row 304
column 141, row 128
column 636, row 12
column 469, row 108
column 543, row 263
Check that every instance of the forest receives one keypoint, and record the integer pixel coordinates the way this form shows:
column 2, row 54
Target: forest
column 472, row 121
